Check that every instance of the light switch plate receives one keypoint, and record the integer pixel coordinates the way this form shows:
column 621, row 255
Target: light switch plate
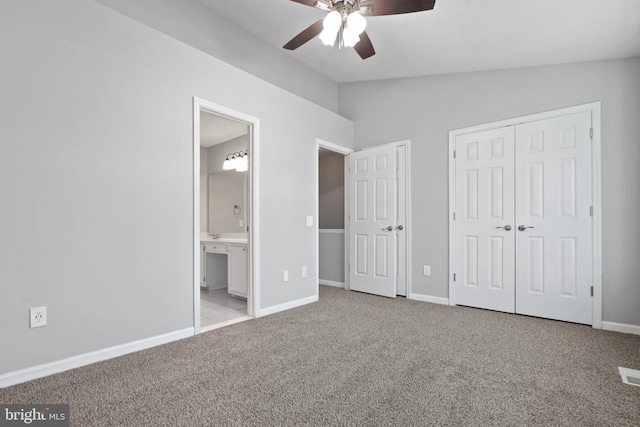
column 309, row 221
column 427, row 270
column 304, row 271
column 285, row 276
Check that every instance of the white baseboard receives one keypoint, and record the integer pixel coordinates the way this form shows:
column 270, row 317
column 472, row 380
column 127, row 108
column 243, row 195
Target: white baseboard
column 39, row 371
column 429, row 298
column 331, row 283
column 621, row 327
column 288, row 305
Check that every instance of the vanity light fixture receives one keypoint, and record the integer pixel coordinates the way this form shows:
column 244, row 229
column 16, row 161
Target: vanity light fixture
column 238, row 161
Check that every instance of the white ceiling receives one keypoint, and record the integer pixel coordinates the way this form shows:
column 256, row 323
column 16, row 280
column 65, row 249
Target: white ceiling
column 215, row 129
column 456, row 36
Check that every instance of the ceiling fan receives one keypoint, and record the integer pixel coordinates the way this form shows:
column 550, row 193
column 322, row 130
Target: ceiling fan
column 345, row 21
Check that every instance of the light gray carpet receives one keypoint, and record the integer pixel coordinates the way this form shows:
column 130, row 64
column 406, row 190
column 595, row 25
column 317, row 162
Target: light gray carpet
column 356, row 359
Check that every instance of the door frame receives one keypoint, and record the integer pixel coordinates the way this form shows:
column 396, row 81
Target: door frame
column 345, row 151
column 595, row 109
column 253, row 244
column 407, row 216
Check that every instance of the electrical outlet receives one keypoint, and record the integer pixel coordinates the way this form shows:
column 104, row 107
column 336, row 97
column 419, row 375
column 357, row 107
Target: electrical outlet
column 241, row 223
column 427, row 270
column 285, row 276
column 304, row 271
column 37, row 316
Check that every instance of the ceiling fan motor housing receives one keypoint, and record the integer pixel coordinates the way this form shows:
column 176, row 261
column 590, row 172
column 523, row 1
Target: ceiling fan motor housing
column 345, row 7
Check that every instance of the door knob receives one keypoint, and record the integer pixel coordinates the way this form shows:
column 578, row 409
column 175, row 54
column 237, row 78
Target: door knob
column 389, row 228
column 400, row 227
column 506, row 227
column 522, row 227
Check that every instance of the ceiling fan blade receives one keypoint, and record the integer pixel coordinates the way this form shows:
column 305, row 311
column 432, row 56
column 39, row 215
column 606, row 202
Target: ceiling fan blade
column 386, row 7
column 364, row 47
column 306, row 35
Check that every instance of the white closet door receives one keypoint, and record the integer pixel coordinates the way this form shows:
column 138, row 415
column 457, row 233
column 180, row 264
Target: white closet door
column 484, row 245
column 553, row 218
column 372, row 181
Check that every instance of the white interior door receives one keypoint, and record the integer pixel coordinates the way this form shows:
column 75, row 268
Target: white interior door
column 372, row 182
column 484, row 245
column 553, row 211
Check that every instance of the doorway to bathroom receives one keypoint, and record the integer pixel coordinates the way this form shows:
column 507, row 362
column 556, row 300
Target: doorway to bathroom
column 223, row 164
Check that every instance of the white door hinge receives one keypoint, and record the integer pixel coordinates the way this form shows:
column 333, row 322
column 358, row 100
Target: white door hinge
column 454, row 154
column 591, row 133
column 454, row 216
column 454, row 277
column 592, row 291
column 591, row 211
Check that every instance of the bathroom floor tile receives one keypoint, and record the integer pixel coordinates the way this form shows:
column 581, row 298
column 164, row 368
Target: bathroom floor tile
column 218, row 306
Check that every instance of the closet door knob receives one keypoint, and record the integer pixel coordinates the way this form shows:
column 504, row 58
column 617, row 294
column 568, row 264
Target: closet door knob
column 400, row 227
column 522, row 227
column 506, row 227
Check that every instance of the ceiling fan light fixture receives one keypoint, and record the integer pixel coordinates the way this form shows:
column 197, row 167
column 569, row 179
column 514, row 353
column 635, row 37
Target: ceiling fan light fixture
column 349, row 38
column 346, row 21
column 328, row 37
column 356, row 23
column 332, row 21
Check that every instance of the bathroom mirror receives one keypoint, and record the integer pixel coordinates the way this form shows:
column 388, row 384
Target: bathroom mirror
column 227, row 202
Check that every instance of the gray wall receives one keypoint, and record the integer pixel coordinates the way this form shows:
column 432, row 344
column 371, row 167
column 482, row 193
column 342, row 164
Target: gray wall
column 425, row 109
column 96, row 177
column 331, row 256
column 331, row 191
column 331, row 216
column 200, row 27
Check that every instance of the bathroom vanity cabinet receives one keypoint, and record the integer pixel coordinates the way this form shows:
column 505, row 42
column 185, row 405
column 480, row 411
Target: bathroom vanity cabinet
column 213, row 275
column 238, row 270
